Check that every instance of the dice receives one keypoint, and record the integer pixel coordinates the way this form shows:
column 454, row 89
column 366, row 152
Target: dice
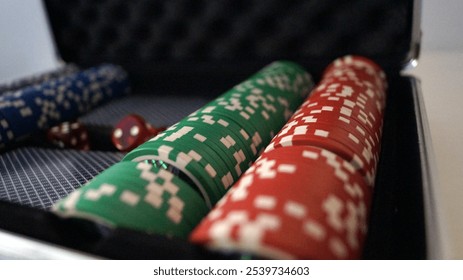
column 71, row 135
column 132, row 131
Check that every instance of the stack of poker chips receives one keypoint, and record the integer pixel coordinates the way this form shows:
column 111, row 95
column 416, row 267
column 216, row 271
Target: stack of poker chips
column 308, row 195
column 203, row 154
column 56, row 98
column 139, row 196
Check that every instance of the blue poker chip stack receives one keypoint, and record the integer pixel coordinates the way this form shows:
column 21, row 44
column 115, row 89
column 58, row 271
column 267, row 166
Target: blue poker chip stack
column 40, row 106
column 5, row 133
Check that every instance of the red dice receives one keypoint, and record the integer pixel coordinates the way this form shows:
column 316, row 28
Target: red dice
column 132, row 131
column 71, row 135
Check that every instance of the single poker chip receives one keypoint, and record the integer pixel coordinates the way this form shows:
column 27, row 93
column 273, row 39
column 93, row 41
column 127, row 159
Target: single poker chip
column 297, row 203
column 364, row 105
column 287, row 83
column 350, row 129
column 358, row 62
column 348, row 110
column 6, row 135
column 203, row 175
column 357, row 85
column 204, row 144
column 243, row 111
column 369, row 113
column 213, row 132
column 335, row 139
column 343, row 113
column 346, row 89
column 279, row 103
column 221, row 142
column 356, row 78
column 284, row 79
column 233, row 132
column 192, row 142
column 199, row 141
column 372, row 98
column 256, row 103
column 252, row 142
column 366, row 73
column 149, row 199
column 241, row 120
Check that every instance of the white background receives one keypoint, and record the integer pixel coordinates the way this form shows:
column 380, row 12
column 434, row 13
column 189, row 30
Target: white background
column 25, row 41
column 440, row 69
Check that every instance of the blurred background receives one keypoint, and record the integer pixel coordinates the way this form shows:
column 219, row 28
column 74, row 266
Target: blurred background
column 441, row 24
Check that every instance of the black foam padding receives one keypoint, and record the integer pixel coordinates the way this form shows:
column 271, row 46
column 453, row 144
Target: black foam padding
column 37, row 177
column 160, row 110
column 397, row 220
column 160, row 42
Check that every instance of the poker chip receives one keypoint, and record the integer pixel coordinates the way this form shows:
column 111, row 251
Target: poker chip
column 338, row 141
column 64, row 98
column 195, row 149
column 5, row 132
column 203, row 175
column 359, row 64
column 299, row 202
column 137, row 196
column 241, row 120
column 355, row 103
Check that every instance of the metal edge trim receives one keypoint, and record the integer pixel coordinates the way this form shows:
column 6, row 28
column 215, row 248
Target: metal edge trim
column 59, row 61
column 435, row 222
column 17, row 247
column 411, row 60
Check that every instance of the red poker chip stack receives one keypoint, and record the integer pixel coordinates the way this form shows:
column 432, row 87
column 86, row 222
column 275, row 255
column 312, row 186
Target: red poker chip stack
column 308, row 195
column 343, row 114
column 300, row 202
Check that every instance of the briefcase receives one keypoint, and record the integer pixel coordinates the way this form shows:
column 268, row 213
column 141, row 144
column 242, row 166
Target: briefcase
column 181, row 54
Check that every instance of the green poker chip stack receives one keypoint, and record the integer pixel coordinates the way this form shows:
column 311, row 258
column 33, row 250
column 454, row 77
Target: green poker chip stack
column 216, row 144
column 137, row 196
column 169, row 183
column 204, row 152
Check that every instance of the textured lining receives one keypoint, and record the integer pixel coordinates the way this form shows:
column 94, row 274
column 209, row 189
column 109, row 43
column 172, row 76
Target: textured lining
column 161, row 110
column 199, row 38
column 38, row 177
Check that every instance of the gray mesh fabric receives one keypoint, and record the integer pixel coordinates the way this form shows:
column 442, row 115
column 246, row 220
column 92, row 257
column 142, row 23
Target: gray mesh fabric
column 38, row 177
